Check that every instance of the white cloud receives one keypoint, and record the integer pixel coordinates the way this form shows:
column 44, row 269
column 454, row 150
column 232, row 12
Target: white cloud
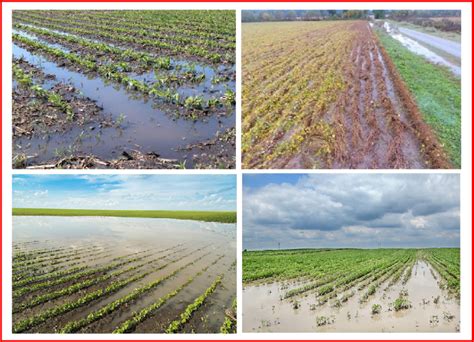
column 353, row 210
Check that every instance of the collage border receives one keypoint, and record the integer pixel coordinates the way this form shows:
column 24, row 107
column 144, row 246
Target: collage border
column 6, row 201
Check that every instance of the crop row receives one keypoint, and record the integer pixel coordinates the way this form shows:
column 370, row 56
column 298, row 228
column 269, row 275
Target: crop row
column 74, row 326
column 52, row 97
column 34, row 253
column 124, row 37
column 348, row 282
column 449, row 269
column 145, row 61
column 161, row 21
column 310, row 264
column 229, row 326
column 130, row 324
column 39, row 299
column 40, row 266
column 140, row 30
column 176, row 325
column 56, row 256
column 113, row 72
column 287, row 88
column 49, row 276
column 113, row 287
column 38, row 271
column 383, row 276
column 215, row 25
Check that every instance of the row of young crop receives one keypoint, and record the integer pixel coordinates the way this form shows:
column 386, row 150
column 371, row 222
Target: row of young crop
column 112, row 287
column 138, row 29
column 114, row 72
column 53, row 257
column 446, row 263
column 177, row 74
column 35, row 255
column 125, row 36
column 27, row 286
column 21, row 272
column 74, row 326
column 87, row 283
column 281, row 265
column 221, row 25
column 55, row 99
column 27, row 253
column 58, row 274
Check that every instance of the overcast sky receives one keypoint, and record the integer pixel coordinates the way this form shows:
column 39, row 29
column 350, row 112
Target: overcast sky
column 167, row 192
column 357, row 210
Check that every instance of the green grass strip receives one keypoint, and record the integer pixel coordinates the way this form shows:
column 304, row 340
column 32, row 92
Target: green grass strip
column 208, row 216
column 436, row 91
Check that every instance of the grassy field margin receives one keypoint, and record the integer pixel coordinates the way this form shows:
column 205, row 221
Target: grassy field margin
column 207, row 216
column 436, row 91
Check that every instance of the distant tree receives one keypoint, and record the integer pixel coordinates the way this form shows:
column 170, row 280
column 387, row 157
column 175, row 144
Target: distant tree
column 248, row 16
column 265, row 16
column 291, row 15
column 353, row 14
column 379, row 14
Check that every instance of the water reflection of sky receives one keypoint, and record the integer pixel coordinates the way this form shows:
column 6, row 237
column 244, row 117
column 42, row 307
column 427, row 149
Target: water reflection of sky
column 119, row 230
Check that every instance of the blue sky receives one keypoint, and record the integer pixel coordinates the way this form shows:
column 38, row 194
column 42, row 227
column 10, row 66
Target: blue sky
column 167, row 192
column 351, row 210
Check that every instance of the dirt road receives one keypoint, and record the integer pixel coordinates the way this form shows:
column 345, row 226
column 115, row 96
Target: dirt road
column 445, row 45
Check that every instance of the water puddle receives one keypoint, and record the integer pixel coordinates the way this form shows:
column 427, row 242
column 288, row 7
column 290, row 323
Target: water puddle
column 419, row 49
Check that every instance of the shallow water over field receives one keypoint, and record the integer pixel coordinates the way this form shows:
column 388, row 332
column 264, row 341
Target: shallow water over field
column 115, row 231
column 144, row 124
column 264, row 311
column 174, row 255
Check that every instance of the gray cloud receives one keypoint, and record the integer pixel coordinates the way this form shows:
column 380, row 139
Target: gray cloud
column 356, row 210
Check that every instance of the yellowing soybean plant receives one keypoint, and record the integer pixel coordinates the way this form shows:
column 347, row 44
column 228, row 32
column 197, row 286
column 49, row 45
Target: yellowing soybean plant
column 327, row 95
column 123, row 89
column 349, row 290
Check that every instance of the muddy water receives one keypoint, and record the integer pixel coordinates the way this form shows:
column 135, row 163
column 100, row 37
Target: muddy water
column 263, row 311
column 406, row 38
column 145, row 127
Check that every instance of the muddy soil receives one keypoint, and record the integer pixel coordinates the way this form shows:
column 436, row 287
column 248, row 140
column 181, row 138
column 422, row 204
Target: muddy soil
column 164, row 245
column 432, row 310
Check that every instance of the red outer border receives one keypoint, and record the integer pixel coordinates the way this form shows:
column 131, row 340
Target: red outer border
column 214, row 1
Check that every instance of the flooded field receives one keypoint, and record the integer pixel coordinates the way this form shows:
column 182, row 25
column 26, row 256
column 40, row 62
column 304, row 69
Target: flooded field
column 124, row 89
column 410, row 293
column 105, row 274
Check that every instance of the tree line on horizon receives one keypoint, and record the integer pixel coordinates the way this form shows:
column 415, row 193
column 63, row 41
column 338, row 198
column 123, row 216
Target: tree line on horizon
column 311, row 15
